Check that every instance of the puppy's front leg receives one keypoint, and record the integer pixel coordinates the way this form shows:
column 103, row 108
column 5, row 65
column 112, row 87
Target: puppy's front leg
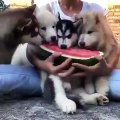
column 89, row 86
column 65, row 104
column 102, row 86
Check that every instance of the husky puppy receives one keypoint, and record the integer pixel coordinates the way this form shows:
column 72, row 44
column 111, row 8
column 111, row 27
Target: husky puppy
column 47, row 22
column 17, row 26
column 66, row 33
column 95, row 35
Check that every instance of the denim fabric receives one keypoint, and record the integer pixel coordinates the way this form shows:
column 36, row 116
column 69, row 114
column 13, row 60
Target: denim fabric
column 19, row 80
column 114, row 84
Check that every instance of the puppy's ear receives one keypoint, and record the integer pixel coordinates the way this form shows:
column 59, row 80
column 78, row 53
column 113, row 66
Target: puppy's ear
column 97, row 17
column 30, row 10
column 75, row 17
column 78, row 22
column 100, row 17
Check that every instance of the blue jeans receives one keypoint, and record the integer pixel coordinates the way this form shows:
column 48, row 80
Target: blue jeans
column 114, row 84
column 19, row 80
column 26, row 81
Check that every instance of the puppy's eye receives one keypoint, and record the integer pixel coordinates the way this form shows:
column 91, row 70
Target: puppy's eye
column 89, row 32
column 69, row 36
column 59, row 36
column 43, row 28
column 53, row 26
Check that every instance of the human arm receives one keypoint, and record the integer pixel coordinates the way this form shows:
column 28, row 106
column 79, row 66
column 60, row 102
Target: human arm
column 47, row 64
column 104, row 66
column 101, row 68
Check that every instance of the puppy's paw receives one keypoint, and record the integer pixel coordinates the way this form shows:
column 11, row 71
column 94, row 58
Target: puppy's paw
column 68, row 106
column 102, row 100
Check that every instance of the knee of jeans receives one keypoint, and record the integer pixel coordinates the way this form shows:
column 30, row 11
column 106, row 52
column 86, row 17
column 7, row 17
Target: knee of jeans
column 114, row 83
column 115, row 88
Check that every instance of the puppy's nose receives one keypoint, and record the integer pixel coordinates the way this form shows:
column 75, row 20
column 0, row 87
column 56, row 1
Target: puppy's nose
column 82, row 44
column 53, row 38
column 63, row 46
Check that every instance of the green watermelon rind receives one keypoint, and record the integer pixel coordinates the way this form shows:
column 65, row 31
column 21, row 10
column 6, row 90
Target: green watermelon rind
column 45, row 53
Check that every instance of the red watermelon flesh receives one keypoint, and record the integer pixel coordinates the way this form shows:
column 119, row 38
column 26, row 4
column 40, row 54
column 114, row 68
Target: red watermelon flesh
column 82, row 56
column 75, row 53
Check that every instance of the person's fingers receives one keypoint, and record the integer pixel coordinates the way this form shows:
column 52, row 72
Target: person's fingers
column 101, row 59
column 52, row 57
column 63, row 65
column 67, row 73
column 98, row 58
column 80, row 74
column 81, row 66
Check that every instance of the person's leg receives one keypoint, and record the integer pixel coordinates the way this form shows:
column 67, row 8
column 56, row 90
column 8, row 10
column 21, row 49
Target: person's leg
column 19, row 80
column 114, row 84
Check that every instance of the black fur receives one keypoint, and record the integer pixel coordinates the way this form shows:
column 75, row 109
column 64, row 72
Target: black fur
column 48, row 93
column 68, row 26
column 65, row 30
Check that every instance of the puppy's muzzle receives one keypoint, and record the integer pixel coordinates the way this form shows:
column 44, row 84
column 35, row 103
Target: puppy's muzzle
column 63, row 46
column 53, row 38
column 82, row 44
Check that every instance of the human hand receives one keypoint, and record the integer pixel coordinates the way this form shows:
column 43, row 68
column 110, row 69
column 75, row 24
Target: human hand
column 48, row 64
column 101, row 68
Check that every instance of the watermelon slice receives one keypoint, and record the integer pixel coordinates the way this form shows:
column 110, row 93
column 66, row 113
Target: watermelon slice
column 82, row 56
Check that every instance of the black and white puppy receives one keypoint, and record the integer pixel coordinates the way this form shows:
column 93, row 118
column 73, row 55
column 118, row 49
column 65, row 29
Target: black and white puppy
column 66, row 33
